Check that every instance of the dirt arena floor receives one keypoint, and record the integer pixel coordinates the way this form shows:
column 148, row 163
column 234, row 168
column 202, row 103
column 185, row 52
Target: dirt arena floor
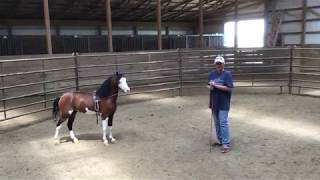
column 273, row 137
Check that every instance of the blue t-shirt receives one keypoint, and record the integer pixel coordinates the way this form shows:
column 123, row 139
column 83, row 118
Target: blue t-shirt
column 220, row 100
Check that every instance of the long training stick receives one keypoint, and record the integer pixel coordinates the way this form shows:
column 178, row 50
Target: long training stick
column 210, row 132
column 211, row 119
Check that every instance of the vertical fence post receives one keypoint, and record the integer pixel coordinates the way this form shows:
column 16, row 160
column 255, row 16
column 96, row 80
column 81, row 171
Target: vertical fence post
column 142, row 43
column 76, row 73
column 3, row 93
column 290, row 70
column 187, row 42
column 89, row 44
column 149, row 61
column 235, row 59
column 44, row 84
column 180, row 71
column 3, row 97
column 116, row 62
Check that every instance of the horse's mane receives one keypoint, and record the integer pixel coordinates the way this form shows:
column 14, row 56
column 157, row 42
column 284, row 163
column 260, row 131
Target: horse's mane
column 104, row 90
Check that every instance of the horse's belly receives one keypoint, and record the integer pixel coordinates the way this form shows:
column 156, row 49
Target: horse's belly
column 88, row 111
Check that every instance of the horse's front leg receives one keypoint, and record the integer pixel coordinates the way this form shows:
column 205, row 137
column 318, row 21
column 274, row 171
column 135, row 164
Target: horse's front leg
column 70, row 123
column 104, row 130
column 112, row 139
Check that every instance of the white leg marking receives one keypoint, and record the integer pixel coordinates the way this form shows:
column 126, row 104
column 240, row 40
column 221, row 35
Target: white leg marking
column 73, row 137
column 112, row 139
column 104, row 130
column 56, row 134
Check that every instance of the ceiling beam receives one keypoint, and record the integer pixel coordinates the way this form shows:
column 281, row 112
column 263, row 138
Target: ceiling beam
column 97, row 9
column 14, row 7
column 183, row 10
column 151, row 11
column 133, row 9
column 123, row 4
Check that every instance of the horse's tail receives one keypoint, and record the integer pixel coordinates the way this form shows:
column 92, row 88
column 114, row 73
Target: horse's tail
column 55, row 108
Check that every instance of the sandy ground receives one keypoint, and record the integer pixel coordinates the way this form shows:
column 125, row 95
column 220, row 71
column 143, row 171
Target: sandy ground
column 273, row 137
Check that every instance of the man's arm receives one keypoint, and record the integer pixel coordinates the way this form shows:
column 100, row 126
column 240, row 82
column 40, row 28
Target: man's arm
column 222, row 87
column 228, row 87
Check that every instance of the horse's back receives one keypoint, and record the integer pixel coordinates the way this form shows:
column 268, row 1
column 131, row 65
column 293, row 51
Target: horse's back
column 77, row 101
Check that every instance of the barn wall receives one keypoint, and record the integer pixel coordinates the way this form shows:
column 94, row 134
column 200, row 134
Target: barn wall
column 36, row 27
column 214, row 21
column 291, row 14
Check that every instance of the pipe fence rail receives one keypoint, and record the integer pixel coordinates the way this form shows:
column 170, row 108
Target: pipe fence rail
column 29, row 85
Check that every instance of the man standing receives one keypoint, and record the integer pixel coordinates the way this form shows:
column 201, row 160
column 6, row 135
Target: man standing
column 220, row 84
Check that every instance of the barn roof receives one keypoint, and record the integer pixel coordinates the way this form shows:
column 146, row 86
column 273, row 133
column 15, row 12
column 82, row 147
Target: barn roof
column 122, row 10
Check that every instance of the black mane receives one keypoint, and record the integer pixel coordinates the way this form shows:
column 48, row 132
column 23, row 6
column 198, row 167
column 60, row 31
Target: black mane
column 104, row 90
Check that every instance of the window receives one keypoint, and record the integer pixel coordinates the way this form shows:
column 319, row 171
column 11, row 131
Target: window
column 250, row 33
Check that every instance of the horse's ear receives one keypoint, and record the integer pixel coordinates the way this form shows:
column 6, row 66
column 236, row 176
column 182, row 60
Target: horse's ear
column 119, row 75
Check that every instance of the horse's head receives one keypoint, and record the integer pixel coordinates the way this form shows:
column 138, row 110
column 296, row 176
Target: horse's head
column 122, row 82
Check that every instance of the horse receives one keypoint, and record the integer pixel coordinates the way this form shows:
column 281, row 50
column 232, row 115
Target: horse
column 103, row 103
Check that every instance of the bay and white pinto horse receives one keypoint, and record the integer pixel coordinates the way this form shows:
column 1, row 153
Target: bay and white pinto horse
column 104, row 102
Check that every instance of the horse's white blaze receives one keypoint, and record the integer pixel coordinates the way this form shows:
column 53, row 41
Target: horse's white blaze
column 123, row 84
column 88, row 111
column 70, row 112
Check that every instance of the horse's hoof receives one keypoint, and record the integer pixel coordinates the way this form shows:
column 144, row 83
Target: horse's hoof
column 113, row 140
column 106, row 143
column 57, row 142
column 75, row 140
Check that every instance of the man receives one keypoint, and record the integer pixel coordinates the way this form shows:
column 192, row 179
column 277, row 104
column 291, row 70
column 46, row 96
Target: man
column 220, row 84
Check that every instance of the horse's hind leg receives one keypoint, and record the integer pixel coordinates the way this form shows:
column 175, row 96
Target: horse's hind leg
column 58, row 126
column 70, row 123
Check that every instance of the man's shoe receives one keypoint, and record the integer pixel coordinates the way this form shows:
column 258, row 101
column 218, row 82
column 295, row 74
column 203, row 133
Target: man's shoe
column 225, row 149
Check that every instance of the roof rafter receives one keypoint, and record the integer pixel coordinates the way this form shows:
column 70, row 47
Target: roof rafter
column 136, row 7
column 169, row 8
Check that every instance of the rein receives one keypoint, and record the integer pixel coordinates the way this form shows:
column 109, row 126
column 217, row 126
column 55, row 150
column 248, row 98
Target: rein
column 113, row 95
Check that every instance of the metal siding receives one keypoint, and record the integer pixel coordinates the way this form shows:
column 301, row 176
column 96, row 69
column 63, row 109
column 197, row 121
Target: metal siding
column 312, row 38
column 291, row 39
column 313, row 15
column 293, row 15
column 313, row 2
column 313, row 26
column 291, row 27
column 72, row 30
column 285, row 4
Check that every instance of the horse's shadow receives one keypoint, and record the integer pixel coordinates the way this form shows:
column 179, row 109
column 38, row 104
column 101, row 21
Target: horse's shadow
column 88, row 137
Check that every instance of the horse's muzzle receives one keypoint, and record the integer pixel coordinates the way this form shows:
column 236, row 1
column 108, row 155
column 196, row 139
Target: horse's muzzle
column 127, row 90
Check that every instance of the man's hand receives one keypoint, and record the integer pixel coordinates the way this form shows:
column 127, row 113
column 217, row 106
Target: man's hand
column 212, row 83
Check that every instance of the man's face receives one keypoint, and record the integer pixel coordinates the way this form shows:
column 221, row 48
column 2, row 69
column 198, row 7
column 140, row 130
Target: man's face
column 219, row 66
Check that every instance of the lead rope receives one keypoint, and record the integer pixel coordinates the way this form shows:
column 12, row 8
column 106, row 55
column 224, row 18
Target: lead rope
column 211, row 119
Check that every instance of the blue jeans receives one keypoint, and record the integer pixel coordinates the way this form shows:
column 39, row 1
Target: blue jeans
column 220, row 118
